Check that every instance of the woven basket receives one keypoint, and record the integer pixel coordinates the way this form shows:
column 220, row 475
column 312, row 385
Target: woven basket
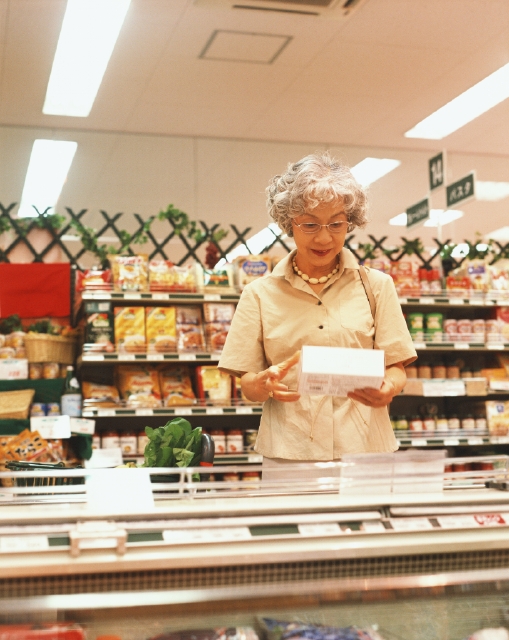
column 15, row 404
column 41, row 347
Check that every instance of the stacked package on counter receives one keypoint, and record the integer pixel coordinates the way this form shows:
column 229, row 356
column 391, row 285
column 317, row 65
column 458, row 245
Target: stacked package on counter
column 280, row 630
column 218, row 319
column 249, row 268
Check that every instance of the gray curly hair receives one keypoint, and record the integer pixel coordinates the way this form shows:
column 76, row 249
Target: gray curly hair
column 314, row 179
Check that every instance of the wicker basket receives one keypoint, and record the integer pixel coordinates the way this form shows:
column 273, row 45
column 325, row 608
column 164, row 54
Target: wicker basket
column 41, row 347
column 15, row 404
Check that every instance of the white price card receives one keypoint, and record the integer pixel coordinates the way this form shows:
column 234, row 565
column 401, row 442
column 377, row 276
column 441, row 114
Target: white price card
column 213, row 534
column 495, row 346
column 410, row 524
column 427, row 300
column 127, row 356
column 119, row 490
column 319, row 529
column 155, row 356
column 456, row 301
column 88, row 414
column 418, row 442
column 244, row 410
column 144, row 412
column 104, row 458
column 254, row 459
column 184, row 411
column 160, row 296
column 474, row 441
column 461, row 345
column 212, row 297
column 93, row 357
column 500, row 440
column 82, row 425
column 469, row 521
column 21, row 544
column 132, row 296
column 451, row 442
column 403, row 300
column 214, row 411
column 51, row 427
column 419, row 345
column 373, row 526
column 106, row 413
column 187, row 356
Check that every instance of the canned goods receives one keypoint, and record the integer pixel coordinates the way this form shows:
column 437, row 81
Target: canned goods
column 219, row 441
column 480, row 424
column 52, row 409
column 34, row 370
column 38, row 409
column 464, row 329
column 128, row 443
column 416, row 424
column 434, row 326
column 451, row 328
column 415, row 321
column 110, row 440
column 250, row 436
column 141, row 442
column 235, row 441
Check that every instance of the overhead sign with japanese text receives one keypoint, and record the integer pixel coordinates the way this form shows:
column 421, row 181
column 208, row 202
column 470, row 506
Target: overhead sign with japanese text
column 461, row 190
column 417, row 213
column 436, row 171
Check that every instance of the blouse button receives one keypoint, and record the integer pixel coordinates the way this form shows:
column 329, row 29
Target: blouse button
column 321, row 326
column 319, row 302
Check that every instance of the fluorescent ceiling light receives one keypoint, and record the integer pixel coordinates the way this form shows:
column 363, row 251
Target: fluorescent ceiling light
column 491, row 191
column 255, row 245
column 502, row 235
column 47, row 171
column 89, row 31
column 371, row 169
column 466, row 107
column 436, row 216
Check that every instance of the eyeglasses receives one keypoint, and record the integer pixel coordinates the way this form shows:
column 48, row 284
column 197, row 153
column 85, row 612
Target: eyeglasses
column 314, row 227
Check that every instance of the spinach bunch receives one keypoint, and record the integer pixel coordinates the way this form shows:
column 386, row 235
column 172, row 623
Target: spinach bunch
column 176, row 444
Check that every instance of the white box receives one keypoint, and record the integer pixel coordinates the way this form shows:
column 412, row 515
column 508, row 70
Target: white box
column 14, row 369
column 335, row 371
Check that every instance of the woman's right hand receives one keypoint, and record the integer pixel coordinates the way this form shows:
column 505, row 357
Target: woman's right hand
column 259, row 387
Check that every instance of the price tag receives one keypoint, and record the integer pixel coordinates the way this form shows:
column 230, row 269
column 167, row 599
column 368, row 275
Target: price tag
column 51, row 427
column 132, row 296
column 451, row 442
column 214, row 411
column 19, row 544
column 320, row 529
column 81, row 425
column 461, row 345
column 187, row 357
column 439, row 388
column 144, row 412
column 501, row 439
column 456, row 301
column 178, row 536
column 410, row 524
column 373, row 526
column 427, row 300
column 93, row 357
column 495, row 346
column 418, row 442
column 244, row 410
column 88, row 414
column 480, row 302
column 160, row 296
column 255, row 459
column 126, row 356
column 106, row 413
column 403, row 300
column 212, row 297
column 185, row 411
column 155, row 356
column 474, row 441
column 419, row 345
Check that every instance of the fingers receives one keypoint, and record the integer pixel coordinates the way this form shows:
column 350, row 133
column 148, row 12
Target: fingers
column 374, row 397
column 279, row 371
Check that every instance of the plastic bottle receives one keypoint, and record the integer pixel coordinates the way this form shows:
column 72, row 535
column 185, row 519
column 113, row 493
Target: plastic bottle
column 71, row 397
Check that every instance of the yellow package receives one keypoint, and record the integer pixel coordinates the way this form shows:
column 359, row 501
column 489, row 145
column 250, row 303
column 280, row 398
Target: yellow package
column 130, row 329
column 161, row 329
column 130, row 273
column 497, row 417
column 99, row 395
column 139, row 386
column 214, row 386
column 176, row 386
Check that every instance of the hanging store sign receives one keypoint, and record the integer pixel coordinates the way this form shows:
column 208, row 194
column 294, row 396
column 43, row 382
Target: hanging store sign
column 436, row 171
column 417, row 213
column 461, row 190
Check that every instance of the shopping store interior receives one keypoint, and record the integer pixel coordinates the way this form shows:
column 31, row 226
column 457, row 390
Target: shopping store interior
column 197, row 104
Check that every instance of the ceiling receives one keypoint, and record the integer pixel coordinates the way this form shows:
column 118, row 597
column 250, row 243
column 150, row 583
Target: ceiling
column 355, row 84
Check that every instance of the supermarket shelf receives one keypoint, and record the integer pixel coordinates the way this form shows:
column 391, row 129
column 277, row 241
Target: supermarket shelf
column 248, row 457
column 160, row 296
column 488, row 300
column 176, row 411
column 148, row 357
column 447, row 439
column 461, row 346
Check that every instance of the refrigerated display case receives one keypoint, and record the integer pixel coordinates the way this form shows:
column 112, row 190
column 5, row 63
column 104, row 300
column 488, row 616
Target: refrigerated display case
column 419, row 565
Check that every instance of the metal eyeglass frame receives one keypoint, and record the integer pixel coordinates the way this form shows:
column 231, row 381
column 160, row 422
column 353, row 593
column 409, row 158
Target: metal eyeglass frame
column 327, row 226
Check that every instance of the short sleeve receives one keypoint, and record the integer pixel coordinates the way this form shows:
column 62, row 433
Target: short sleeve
column 243, row 350
column 391, row 331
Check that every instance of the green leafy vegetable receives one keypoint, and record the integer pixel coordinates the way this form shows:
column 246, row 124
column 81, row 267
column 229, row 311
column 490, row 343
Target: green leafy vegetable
column 176, row 444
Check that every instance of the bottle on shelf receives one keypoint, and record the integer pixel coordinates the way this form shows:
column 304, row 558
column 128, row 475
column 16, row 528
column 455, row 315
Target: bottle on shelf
column 71, row 398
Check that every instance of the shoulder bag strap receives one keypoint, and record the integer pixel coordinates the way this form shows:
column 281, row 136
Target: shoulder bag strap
column 368, row 290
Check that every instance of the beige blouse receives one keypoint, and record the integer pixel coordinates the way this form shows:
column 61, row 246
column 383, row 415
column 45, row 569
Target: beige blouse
column 280, row 313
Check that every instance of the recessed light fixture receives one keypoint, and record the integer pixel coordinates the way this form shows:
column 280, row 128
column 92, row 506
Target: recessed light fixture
column 502, row 235
column 436, row 217
column 46, row 174
column 491, row 191
column 464, row 108
column 89, row 31
column 371, row 169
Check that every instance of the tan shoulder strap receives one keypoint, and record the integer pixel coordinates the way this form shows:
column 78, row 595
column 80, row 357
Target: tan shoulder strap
column 368, row 290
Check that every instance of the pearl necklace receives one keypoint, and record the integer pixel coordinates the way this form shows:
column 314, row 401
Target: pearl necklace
column 305, row 277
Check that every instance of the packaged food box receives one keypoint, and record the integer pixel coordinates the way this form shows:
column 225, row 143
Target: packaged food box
column 161, row 329
column 130, row 329
column 503, row 322
column 334, row 371
column 139, row 386
column 176, row 386
column 249, row 268
column 130, row 273
column 214, row 386
column 218, row 311
column 99, row 330
column 497, row 417
column 163, row 275
column 99, row 395
column 218, row 280
column 215, row 334
column 190, row 336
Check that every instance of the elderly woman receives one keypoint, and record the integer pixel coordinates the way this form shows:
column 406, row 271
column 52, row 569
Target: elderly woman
column 316, row 296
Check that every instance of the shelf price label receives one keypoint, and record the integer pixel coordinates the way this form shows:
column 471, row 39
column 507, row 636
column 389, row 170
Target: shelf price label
column 436, row 170
column 461, row 190
column 20, row 544
column 417, row 213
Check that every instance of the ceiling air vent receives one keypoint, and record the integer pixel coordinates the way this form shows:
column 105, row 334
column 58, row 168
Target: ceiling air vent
column 322, row 8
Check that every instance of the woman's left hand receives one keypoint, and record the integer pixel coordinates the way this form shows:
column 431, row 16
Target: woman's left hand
column 392, row 385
